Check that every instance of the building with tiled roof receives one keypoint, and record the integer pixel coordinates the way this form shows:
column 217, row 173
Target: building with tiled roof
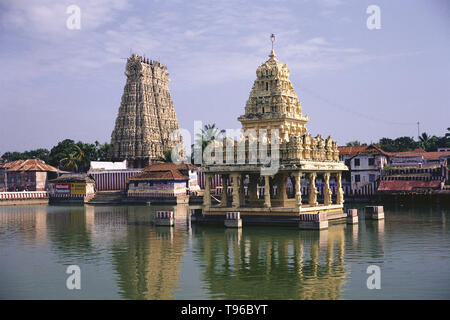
column 164, row 180
column 412, row 179
column 365, row 164
column 31, row 175
column 418, row 158
column 72, row 188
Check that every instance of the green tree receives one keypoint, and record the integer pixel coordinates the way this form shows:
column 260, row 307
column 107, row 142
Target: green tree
column 424, row 139
column 400, row 144
column 70, row 162
column 387, row 145
column 12, row 156
column 61, row 151
column 353, row 143
column 209, row 133
column 104, row 151
column 41, row 154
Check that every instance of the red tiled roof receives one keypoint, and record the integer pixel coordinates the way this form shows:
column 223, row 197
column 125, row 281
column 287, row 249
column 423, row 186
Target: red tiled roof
column 170, row 166
column 351, row 150
column 159, row 175
column 435, row 155
column 12, row 164
column 29, row 165
column 355, row 150
column 164, row 171
column 407, row 185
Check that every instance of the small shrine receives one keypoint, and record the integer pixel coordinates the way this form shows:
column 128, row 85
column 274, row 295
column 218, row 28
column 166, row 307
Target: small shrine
column 274, row 146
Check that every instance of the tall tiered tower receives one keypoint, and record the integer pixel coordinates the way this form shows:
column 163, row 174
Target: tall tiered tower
column 146, row 116
column 273, row 103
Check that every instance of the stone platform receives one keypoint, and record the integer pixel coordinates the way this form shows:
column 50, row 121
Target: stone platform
column 276, row 216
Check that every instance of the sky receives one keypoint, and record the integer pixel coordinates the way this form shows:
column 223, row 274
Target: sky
column 354, row 83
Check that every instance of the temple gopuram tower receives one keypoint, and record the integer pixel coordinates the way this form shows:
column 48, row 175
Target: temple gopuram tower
column 146, row 116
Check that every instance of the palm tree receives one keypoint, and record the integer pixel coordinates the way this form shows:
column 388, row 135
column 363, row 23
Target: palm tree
column 447, row 134
column 70, row 162
column 166, row 157
column 209, row 133
column 424, row 138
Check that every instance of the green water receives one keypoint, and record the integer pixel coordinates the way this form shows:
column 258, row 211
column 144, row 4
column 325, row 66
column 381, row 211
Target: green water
column 121, row 255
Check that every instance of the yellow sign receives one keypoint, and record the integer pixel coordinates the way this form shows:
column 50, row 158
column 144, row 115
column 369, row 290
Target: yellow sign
column 78, row 188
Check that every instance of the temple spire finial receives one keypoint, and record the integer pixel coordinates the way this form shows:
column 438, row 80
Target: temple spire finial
column 272, row 54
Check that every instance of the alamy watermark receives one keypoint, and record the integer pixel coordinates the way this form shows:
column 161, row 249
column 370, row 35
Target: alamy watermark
column 74, row 280
column 231, row 146
column 73, row 22
column 374, row 280
column 374, row 20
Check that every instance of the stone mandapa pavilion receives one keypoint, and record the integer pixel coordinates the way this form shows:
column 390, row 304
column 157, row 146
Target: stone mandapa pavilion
column 273, row 117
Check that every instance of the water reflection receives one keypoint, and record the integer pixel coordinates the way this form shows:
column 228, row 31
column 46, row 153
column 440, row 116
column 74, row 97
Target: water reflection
column 272, row 263
column 148, row 262
column 120, row 250
column 28, row 223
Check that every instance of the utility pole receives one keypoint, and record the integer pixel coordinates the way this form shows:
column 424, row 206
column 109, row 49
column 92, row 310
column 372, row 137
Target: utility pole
column 418, row 130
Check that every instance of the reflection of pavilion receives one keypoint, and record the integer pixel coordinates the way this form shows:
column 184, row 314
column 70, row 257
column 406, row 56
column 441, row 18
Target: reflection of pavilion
column 273, row 263
column 147, row 261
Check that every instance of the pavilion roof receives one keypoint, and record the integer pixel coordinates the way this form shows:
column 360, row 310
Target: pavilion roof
column 164, row 171
column 29, row 165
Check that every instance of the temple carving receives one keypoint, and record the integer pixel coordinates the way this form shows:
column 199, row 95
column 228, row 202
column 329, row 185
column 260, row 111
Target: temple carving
column 146, row 118
column 274, row 147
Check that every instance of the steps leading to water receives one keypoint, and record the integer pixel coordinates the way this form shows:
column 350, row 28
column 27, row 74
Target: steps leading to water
column 108, row 197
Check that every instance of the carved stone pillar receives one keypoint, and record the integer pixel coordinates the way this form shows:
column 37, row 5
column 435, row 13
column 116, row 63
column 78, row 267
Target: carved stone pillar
column 298, row 188
column 267, row 192
column 312, row 189
column 327, row 190
column 235, row 177
column 281, row 188
column 224, row 201
column 253, row 189
column 241, row 189
column 207, row 193
column 339, row 190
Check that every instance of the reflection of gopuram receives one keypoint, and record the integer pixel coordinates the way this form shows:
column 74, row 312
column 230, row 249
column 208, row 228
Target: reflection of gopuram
column 274, row 147
column 148, row 262
column 274, row 264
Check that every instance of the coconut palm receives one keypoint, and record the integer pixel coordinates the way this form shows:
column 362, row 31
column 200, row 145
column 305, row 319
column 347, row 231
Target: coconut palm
column 209, row 133
column 70, row 162
column 424, row 137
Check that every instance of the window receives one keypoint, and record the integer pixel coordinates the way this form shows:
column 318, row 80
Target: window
column 371, row 161
column 357, row 178
column 371, row 177
column 357, row 162
column 267, row 86
column 347, row 162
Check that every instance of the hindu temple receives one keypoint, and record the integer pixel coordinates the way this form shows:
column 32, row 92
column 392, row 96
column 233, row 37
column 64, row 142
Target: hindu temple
column 146, row 117
column 274, row 146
